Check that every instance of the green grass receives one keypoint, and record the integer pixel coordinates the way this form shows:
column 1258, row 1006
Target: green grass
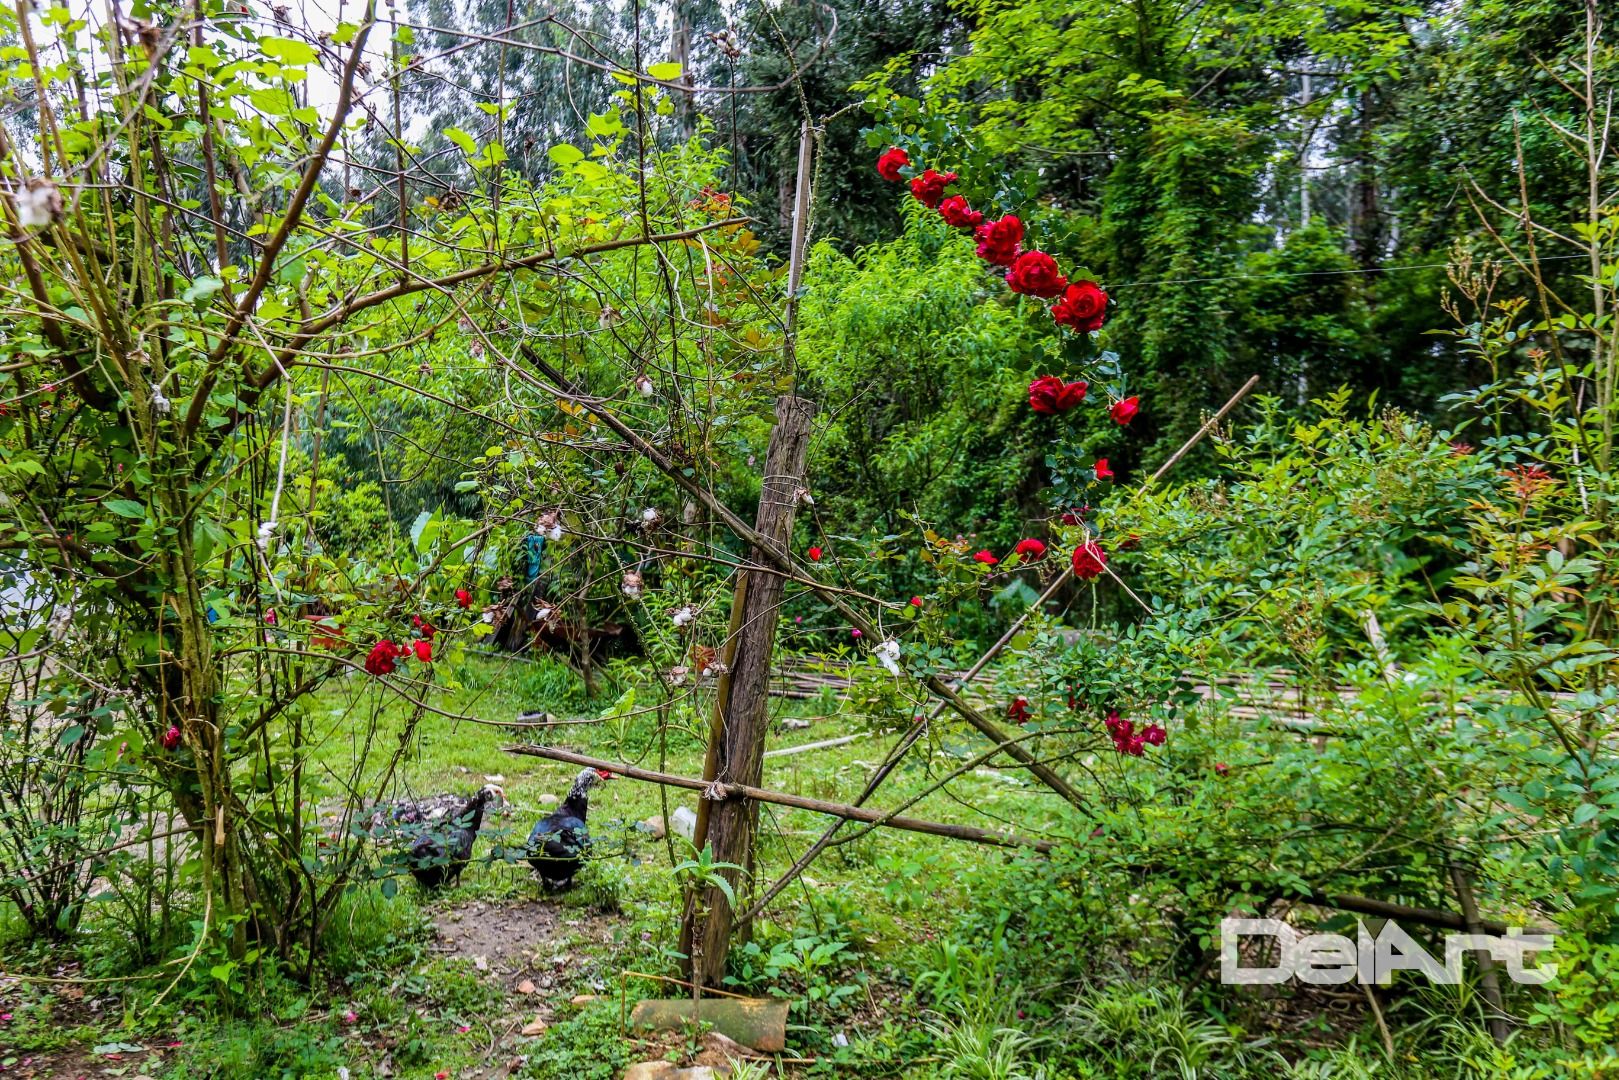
column 847, row 943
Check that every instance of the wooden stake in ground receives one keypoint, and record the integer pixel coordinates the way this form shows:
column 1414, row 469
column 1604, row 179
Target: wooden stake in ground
column 737, row 757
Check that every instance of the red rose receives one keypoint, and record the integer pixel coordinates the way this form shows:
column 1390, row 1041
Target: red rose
column 424, row 651
column 1072, row 394
column 893, row 160
column 998, row 241
column 1018, row 711
column 171, row 738
column 929, row 187
column 986, row 557
column 1125, row 411
column 1049, row 395
column 1221, row 768
column 1083, row 306
column 1089, row 559
column 1102, row 471
column 1034, row 273
column 1154, row 735
column 1030, row 549
column 463, row 598
column 955, row 211
column 1043, row 394
column 380, row 661
column 916, row 601
column 815, row 554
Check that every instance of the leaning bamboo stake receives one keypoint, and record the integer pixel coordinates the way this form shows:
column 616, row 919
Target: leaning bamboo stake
column 722, row 792
column 1208, row 426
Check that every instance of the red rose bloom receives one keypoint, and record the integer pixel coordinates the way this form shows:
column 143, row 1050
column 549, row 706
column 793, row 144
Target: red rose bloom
column 929, row 187
column 1018, row 711
column 1030, row 549
column 916, row 601
column 986, row 557
column 1049, row 395
column 955, row 211
column 380, row 661
column 1125, row 411
column 1043, row 393
column 998, row 241
column 171, row 738
column 424, row 651
column 815, row 554
column 463, row 598
column 893, row 160
column 1102, row 470
column 1089, row 559
column 1083, row 306
column 1221, row 768
column 1154, row 735
column 1072, row 394
column 1034, row 273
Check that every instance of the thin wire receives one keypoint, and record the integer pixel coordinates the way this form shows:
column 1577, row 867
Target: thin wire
column 1310, row 273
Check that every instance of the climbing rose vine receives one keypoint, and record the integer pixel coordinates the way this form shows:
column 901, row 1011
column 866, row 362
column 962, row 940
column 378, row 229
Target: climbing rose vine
column 1081, row 306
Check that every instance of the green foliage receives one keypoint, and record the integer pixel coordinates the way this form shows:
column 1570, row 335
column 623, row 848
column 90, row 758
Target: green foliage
column 586, row 1046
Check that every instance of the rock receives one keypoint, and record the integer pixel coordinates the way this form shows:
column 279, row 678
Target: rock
column 649, row 1070
column 535, row 1026
column 482, row 963
column 662, row 1070
column 526, row 986
column 581, row 999
column 654, row 825
column 793, row 723
column 684, row 820
column 548, row 799
column 720, row 1051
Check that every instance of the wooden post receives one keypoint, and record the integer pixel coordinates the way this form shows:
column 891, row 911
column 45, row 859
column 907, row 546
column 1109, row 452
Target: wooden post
column 738, row 755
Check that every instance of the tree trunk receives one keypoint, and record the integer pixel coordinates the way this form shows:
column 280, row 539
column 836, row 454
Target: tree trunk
column 737, row 749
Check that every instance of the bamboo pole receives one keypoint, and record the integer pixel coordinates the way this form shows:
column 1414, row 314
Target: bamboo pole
column 727, row 792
